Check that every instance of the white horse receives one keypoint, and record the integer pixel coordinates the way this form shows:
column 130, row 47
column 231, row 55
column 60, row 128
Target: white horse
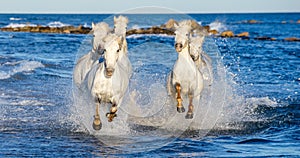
column 85, row 63
column 185, row 77
column 107, row 81
column 120, row 27
column 201, row 59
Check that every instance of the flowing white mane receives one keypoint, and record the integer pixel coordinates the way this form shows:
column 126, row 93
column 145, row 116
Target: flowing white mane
column 85, row 63
column 120, row 24
column 120, row 27
column 99, row 30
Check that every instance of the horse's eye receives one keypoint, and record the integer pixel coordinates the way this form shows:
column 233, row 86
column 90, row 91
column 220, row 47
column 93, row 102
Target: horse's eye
column 104, row 50
column 118, row 50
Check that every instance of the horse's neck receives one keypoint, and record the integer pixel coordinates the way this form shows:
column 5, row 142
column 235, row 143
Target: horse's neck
column 124, row 47
column 123, row 52
column 185, row 59
column 185, row 53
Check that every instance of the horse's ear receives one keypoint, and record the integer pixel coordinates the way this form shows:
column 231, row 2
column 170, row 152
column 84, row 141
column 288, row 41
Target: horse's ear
column 93, row 25
column 115, row 19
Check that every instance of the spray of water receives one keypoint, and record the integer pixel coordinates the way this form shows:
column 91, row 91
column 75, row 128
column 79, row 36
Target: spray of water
column 147, row 117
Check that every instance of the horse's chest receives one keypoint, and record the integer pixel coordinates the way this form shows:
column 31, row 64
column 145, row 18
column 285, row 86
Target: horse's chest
column 104, row 88
column 184, row 73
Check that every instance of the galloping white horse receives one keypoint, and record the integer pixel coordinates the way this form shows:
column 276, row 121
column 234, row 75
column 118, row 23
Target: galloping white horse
column 185, row 77
column 120, row 27
column 85, row 63
column 201, row 59
column 107, row 81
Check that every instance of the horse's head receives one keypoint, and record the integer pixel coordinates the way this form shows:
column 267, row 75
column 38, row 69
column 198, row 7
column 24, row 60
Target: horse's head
column 120, row 25
column 196, row 47
column 182, row 34
column 99, row 30
column 112, row 50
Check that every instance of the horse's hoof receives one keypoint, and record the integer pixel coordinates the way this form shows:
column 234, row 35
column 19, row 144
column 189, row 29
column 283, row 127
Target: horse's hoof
column 97, row 127
column 111, row 116
column 180, row 109
column 189, row 115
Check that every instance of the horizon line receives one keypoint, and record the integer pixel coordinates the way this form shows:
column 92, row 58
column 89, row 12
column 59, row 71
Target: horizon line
column 246, row 12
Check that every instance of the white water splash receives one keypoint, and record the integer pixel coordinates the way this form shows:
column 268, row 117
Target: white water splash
column 16, row 19
column 17, row 67
column 15, row 25
column 217, row 25
column 57, row 24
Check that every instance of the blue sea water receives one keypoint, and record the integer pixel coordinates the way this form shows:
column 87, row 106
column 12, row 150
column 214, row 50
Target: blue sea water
column 252, row 109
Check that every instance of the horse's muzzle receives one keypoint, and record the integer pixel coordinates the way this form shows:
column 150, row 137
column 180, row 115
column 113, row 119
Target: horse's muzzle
column 195, row 58
column 178, row 47
column 109, row 72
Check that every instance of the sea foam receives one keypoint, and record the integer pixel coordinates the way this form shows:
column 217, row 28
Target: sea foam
column 17, row 67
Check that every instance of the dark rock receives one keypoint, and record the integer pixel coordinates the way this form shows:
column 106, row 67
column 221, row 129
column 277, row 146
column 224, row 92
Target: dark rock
column 265, row 38
column 227, row 34
column 292, row 39
column 243, row 34
column 213, row 32
column 253, row 21
column 152, row 30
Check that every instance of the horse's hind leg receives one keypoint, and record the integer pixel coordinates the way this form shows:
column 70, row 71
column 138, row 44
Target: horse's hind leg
column 112, row 114
column 190, row 113
column 180, row 107
column 97, row 125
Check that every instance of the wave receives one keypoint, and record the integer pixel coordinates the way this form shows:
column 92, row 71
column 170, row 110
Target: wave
column 51, row 24
column 57, row 24
column 28, row 102
column 15, row 25
column 17, row 67
column 16, row 19
column 217, row 25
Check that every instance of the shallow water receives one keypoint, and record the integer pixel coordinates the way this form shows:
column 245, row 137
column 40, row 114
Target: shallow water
column 252, row 109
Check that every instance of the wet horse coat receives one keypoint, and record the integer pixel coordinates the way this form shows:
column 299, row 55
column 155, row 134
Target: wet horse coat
column 86, row 62
column 107, row 81
column 185, row 78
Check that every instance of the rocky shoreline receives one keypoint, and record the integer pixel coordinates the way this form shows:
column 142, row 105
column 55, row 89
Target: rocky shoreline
column 167, row 28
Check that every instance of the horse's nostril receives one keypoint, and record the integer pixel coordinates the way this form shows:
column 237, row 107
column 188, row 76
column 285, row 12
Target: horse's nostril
column 178, row 45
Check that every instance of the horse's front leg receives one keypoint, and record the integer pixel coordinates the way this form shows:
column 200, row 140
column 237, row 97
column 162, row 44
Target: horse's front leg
column 190, row 113
column 180, row 107
column 97, row 125
column 112, row 114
